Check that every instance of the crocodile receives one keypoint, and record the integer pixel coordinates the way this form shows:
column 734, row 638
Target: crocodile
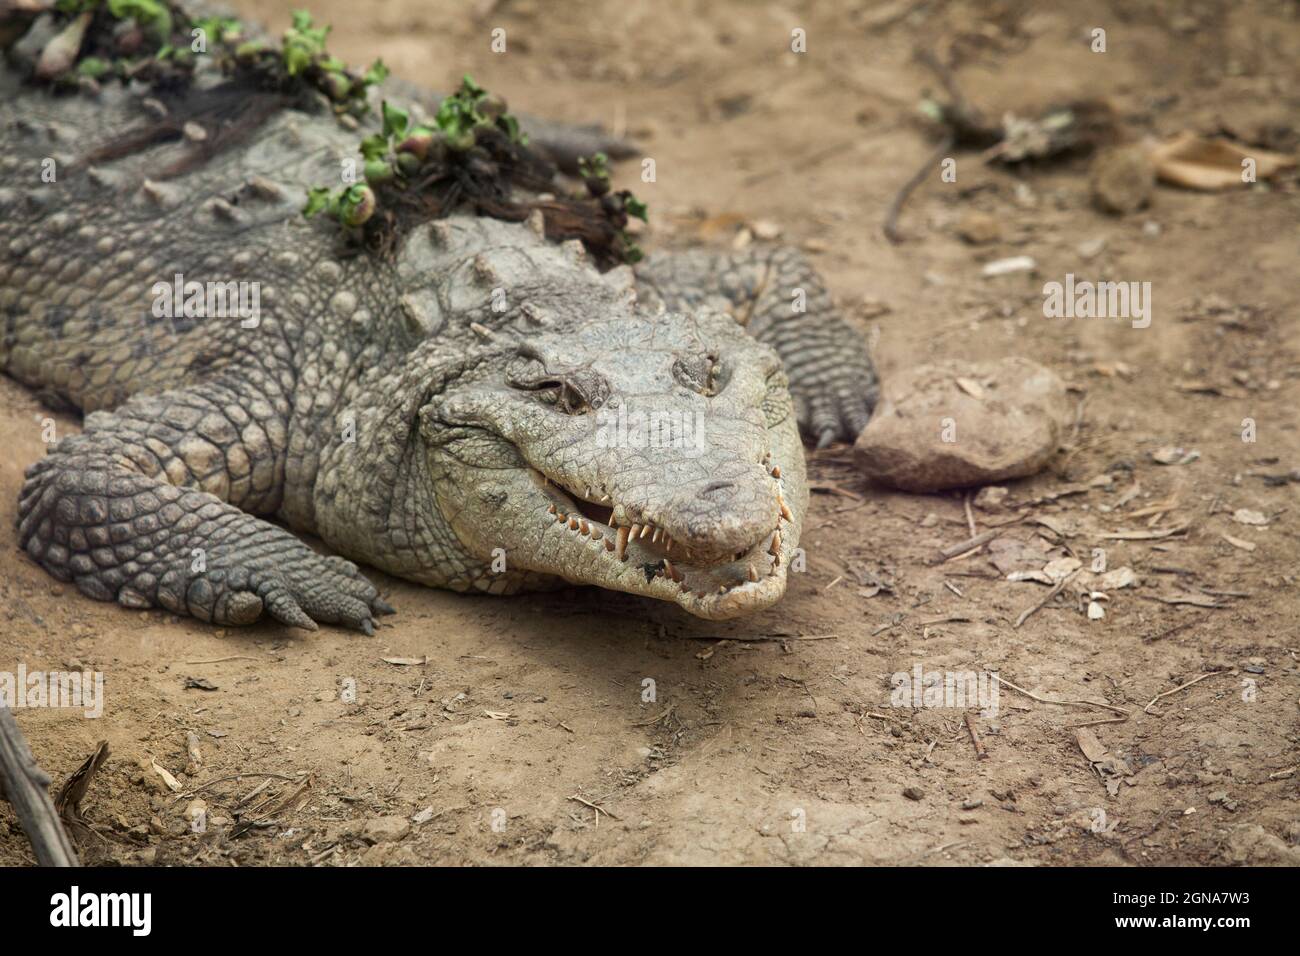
column 482, row 409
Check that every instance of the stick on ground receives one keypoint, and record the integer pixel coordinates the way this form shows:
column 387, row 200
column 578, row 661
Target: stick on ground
column 26, row 786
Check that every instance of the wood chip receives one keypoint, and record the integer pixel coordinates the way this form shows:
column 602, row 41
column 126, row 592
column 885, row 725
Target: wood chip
column 171, row 782
column 1092, row 748
column 1240, row 543
column 1151, row 535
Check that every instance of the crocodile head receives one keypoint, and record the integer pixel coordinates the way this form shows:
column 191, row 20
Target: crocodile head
column 656, row 454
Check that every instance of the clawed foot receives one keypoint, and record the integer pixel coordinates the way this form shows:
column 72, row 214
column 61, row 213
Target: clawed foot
column 300, row 588
column 838, row 406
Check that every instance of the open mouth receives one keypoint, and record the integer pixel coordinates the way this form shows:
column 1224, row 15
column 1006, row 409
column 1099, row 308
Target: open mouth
column 641, row 555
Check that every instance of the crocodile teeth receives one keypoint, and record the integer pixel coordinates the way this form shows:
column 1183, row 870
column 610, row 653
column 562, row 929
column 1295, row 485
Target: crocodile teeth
column 776, row 471
column 609, row 544
column 596, row 536
column 586, row 528
column 550, row 509
column 785, row 509
column 753, row 575
column 645, row 530
column 669, row 569
column 620, row 550
column 573, row 523
column 635, row 532
column 654, row 539
column 775, row 549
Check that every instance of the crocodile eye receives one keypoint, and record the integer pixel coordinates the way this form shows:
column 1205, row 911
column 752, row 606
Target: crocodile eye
column 706, row 374
column 574, row 391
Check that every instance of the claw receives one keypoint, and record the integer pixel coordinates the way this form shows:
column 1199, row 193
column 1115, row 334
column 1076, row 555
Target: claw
column 382, row 606
column 826, row 438
column 369, row 627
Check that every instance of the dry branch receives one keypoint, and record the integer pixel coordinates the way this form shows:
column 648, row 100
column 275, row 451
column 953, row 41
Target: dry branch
column 26, row 786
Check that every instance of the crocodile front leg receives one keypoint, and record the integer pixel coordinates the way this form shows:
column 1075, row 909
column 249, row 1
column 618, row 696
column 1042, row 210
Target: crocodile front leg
column 779, row 297
column 146, row 508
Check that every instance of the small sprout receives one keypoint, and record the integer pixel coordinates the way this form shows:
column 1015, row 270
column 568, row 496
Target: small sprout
column 336, row 86
column 631, row 252
column 378, row 170
column 417, row 142
column 352, row 206
column 93, row 67
column 319, row 199
column 153, row 15
column 302, row 43
column 512, row 129
column 396, row 121
column 458, row 115
column 635, row 207
column 220, row 29
column 594, row 167
column 250, row 49
column 357, row 206
column 407, row 163
column 594, row 171
column 376, row 74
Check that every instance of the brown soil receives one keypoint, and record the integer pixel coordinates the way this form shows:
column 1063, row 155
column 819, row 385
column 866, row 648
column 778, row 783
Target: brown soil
column 528, row 704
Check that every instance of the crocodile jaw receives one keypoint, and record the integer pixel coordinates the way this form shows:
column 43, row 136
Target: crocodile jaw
column 642, row 559
column 538, row 525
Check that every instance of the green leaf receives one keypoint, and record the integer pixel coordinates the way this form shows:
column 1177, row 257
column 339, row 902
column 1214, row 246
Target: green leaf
column 296, row 59
column 595, row 166
column 395, row 121
column 250, row 47
column 632, row 253
column 512, row 129
column 93, row 67
column 302, row 43
column 374, row 146
column 357, row 205
column 378, row 170
column 635, row 207
column 319, row 198
column 376, row 74
column 148, row 13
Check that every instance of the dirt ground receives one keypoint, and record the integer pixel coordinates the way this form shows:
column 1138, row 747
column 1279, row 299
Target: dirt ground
column 771, row 740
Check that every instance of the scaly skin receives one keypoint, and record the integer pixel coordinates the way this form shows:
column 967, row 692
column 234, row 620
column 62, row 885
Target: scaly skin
column 385, row 405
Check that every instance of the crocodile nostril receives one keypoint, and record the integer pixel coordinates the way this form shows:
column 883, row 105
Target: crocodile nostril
column 713, row 486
